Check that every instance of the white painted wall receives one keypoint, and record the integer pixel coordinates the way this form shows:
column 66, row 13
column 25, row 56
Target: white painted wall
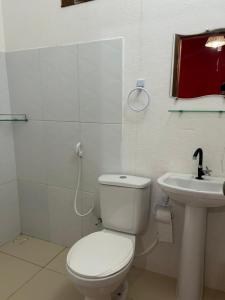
column 156, row 141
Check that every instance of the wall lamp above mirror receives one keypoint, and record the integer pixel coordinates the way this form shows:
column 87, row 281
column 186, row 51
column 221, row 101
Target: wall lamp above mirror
column 199, row 65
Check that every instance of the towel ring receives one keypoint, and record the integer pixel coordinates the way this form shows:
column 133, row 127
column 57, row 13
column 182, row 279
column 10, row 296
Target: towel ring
column 140, row 108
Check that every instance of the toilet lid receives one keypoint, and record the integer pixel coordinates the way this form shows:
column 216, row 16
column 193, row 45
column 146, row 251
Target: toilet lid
column 101, row 254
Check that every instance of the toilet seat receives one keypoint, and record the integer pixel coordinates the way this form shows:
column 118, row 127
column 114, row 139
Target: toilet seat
column 101, row 254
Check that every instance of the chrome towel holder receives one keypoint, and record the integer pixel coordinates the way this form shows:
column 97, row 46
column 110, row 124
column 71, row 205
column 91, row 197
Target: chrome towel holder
column 140, row 88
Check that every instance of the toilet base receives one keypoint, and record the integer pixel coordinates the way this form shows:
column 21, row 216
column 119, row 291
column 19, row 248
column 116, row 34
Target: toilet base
column 119, row 294
column 122, row 292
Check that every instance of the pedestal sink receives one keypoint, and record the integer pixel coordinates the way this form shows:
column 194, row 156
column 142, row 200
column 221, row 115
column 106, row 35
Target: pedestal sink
column 196, row 196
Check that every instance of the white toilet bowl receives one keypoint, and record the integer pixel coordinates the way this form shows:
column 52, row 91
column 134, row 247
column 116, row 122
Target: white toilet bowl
column 98, row 263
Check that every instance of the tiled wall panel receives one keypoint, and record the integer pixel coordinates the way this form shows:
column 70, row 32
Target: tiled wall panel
column 71, row 94
column 9, row 204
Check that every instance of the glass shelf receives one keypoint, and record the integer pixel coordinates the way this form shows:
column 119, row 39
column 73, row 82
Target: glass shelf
column 195, row 111
column 13, row 117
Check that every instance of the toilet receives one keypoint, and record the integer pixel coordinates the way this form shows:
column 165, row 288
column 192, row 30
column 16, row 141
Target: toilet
column 98, row 263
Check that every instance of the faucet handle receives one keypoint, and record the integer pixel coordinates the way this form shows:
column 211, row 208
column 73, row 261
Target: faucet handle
column 207, row 171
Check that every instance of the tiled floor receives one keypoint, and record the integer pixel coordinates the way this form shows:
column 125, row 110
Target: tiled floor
column 35, row 269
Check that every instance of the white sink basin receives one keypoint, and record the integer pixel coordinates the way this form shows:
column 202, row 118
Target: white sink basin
column 196, row 195
column 185, row 189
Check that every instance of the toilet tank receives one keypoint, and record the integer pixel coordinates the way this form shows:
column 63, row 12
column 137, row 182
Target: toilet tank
column 124, row 202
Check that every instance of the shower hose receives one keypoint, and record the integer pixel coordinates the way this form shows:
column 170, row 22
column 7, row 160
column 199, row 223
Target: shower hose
column 78, row 213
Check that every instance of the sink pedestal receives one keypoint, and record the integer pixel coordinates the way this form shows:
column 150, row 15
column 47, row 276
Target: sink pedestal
column 191, row 274
column 196, row 195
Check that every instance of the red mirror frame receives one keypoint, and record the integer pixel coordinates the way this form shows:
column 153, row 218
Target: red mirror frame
column 198, row 70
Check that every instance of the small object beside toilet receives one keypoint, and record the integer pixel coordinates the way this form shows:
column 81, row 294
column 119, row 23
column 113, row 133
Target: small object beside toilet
column 164, row 224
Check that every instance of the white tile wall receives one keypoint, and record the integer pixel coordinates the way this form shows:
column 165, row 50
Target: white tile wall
column 7, row 156
column 31, row 151
column 59, row 83
column 24, row 79
column 4, row 105
column 34, row 208
column 71, row 93
column 100, row 81
column 65, row 228
column 3, row 73
column 61, row 163
column 9, row 211
column 9, row 204
column 4, row 91
column 102, row 152
column 86, row 201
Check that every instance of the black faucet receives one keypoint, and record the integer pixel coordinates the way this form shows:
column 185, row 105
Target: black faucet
column 199, row 152
column 201, row 172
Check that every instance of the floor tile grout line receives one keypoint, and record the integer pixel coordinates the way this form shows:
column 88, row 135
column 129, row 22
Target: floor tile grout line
column 64, row 275
column 33, row 263
column 25, row 235
column 19, row 258
column 137, row 276
column 55, row 257
column 54, row 271
column 30, row 237
column 26, row 282
column 34, row 275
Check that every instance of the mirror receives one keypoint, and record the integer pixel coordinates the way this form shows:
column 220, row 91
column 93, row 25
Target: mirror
column 199, row 65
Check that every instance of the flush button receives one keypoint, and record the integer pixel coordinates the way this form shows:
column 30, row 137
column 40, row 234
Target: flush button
column 123, row 177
